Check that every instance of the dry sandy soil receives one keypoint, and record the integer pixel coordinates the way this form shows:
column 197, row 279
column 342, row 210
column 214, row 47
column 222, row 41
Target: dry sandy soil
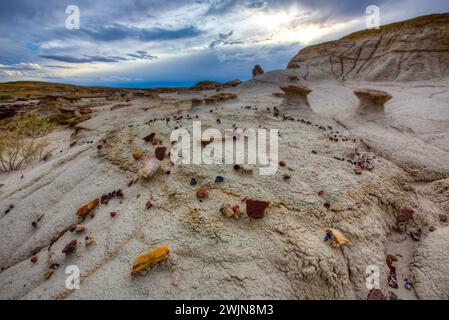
column 283, row 255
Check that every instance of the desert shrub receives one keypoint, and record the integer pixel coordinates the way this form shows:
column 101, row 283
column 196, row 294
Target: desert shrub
column 33, row 126
column 20, row 145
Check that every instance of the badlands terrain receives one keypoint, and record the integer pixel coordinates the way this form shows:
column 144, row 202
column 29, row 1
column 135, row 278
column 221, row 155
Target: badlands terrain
column 375, row 170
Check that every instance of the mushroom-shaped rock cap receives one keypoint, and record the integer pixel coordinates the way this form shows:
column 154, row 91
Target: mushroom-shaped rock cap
column 295, row 89
column 372, row 99
column 295, row 97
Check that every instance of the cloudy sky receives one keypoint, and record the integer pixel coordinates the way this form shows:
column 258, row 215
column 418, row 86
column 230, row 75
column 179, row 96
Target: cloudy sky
column 148, row 43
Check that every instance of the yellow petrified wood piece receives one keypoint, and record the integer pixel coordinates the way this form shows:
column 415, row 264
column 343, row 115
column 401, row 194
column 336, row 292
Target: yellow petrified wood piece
column 338, row 238
column 84, row 210
column 149, row 259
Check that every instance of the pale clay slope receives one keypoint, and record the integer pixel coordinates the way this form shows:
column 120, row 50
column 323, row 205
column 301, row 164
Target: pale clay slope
column 414, row 50
column 282, row 256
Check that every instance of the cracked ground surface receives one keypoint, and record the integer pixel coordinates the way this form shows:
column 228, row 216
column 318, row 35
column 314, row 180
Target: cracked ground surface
column 283, row 255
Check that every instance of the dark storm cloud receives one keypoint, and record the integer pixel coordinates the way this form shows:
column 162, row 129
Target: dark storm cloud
column 142, row 55
column 200, row 38
column 118, row 32
column 138, row 55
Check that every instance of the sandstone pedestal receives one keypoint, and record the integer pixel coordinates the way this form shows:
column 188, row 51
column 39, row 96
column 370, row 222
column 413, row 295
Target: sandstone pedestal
column 295, row 97
column 372, row 100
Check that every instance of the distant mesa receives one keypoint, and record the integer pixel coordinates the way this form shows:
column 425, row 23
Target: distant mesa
column 214, row 99
column 214, row 85
column 146, row 94
column 416, row 49
column 257, row 70
column 220, row 97
column 372, row 100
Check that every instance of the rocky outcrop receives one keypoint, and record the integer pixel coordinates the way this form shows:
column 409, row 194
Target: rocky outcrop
column 295, row 97
column 430, row 266
column 257, row 70
column 213, row 85
column 220, row 98
column 372, row 100
column 8, row 110
column 416, row 49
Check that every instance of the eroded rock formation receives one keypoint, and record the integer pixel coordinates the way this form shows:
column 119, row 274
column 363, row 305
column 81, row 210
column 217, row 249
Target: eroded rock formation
column 257, row 70
column 416, row 49
column 295, row 97
column 372, row 100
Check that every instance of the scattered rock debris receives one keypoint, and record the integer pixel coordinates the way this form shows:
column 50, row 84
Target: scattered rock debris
column 243, row 168
column 80, row 228
column 362, row 162
column 150, row 137
column 405, row 215
column 137, row 155
column 336, row 238
column 87, row 208
column 376, row 294
column 88, row 241
column 10, row 207
column 392, row 277
column 160, row 153
column 255, row 208
column 230, row 211
column 149, row 167
column 202, row 193
column 149, row 259
column 70, row 247
column 416, row 235
column 408, row 284
column 35, row 223
column 48, row 274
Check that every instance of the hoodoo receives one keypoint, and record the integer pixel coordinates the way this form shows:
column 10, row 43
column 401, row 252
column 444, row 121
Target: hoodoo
column 372, row 100
column 295, row 97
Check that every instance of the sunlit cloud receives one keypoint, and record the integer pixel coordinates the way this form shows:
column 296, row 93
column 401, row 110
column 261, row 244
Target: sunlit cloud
column 146, row 42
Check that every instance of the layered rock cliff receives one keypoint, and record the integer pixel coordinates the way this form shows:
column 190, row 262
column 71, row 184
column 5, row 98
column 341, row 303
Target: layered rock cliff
column 416, row 49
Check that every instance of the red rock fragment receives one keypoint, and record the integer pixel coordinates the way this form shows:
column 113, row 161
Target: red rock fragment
column 113, row 214
column 33, row 259
column 70, row 247
column 80, row 229
column 392, row 278
column 202, row 193
column 150, row 137
column 148, row 205
column 390, row 259
column 376, row 294
column 159, row 153
column 282, row 163
column 405, row 215
column 255, row 208
column 443, row 217
column 321, row 193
